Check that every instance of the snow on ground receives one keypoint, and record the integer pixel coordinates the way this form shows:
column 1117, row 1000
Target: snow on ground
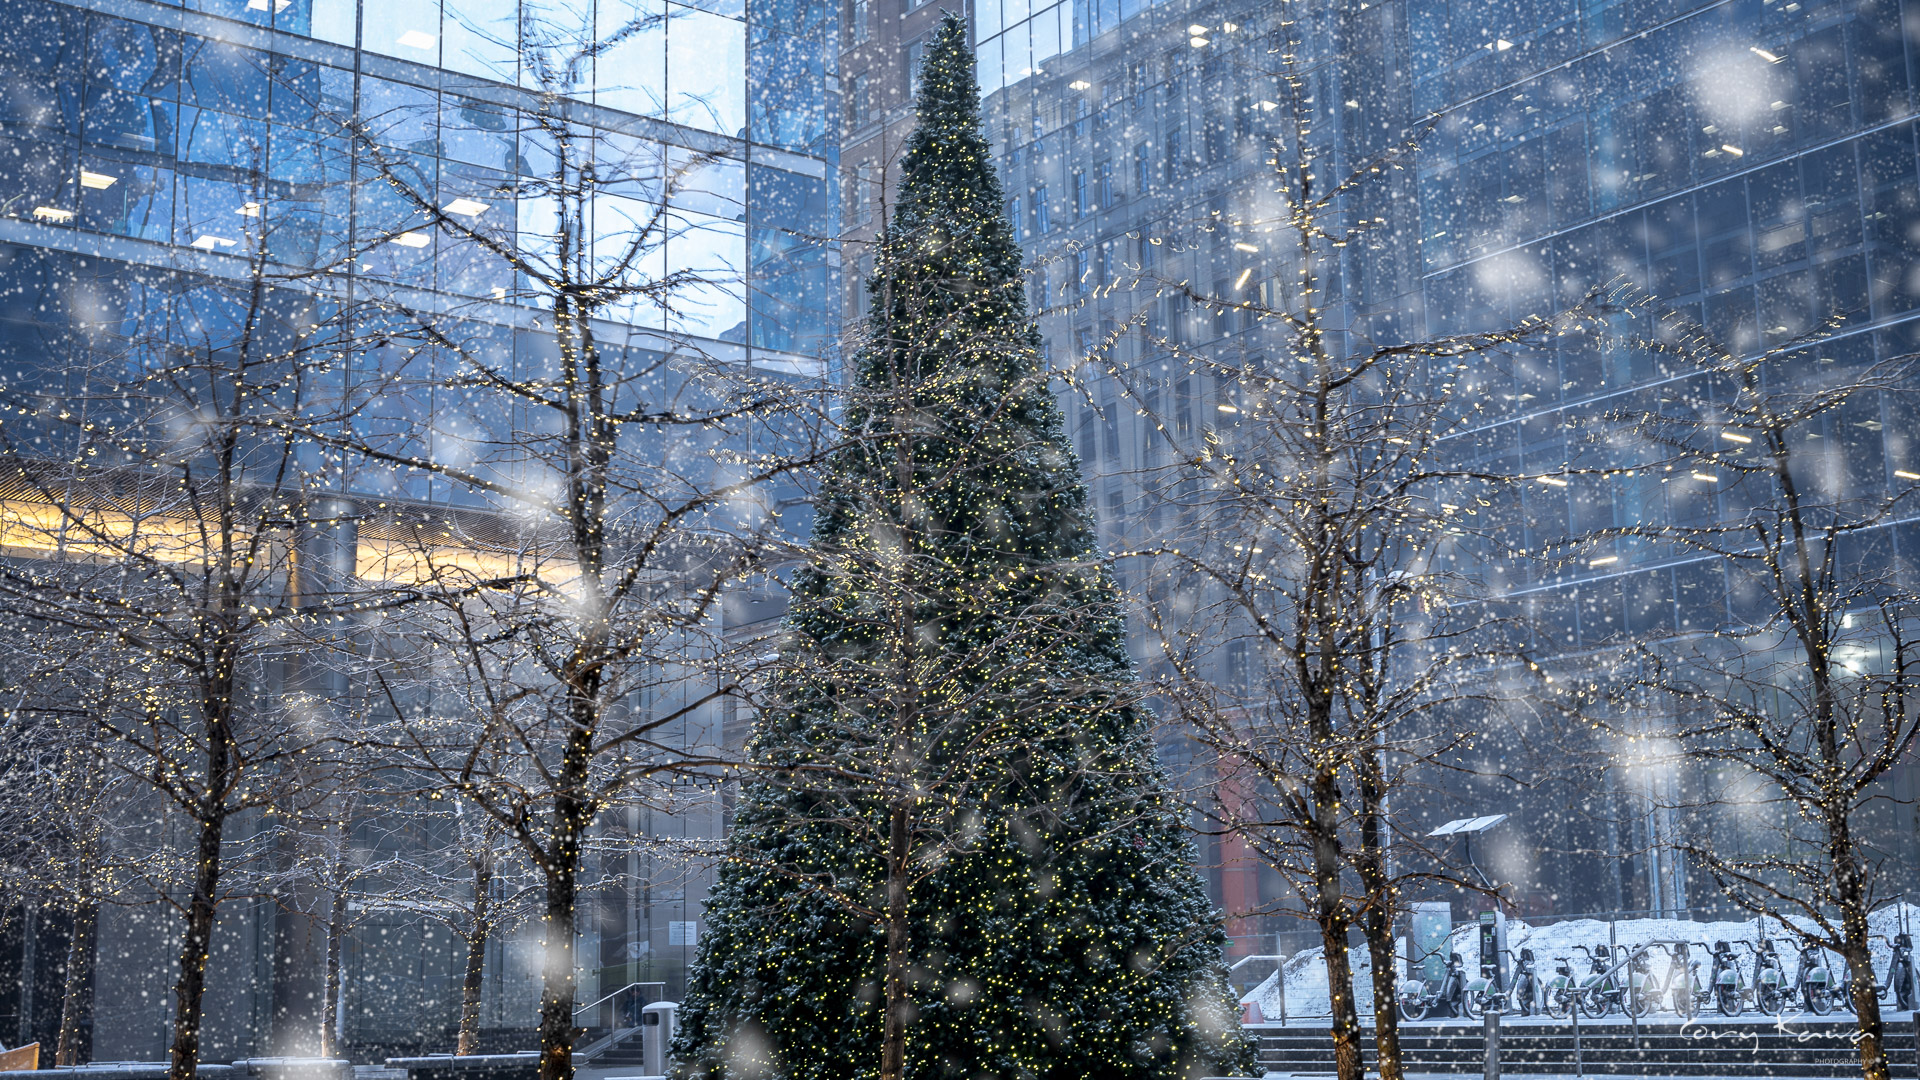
column 1306, row 971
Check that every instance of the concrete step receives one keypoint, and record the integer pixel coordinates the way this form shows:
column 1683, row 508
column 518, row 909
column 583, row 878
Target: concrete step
column 1813, row 1049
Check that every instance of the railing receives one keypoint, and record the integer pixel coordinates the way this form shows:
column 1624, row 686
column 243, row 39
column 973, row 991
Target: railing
column 609, row 1003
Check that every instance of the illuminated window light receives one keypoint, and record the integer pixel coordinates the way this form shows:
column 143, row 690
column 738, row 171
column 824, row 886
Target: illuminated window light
column 1241, row 282
column 1268, row 106
column 1244, row 247
column 1706, row 477
column 1229, row 27
column 1553, row 481
column 413, row 239
column 1501, row 45
column 1604, row 560
column 53, row 214
column 466, row 207
column 1763, row 54
column 1732, row 149
column 1734, row 436
column 97, row 181
column 1197, row 30
column 1079, row 84
column 1905, row 475
column 1198, row 43
column 416, row 39
column 499, row 292
column 208, row 241
column 1227, row 408
column 251, row 209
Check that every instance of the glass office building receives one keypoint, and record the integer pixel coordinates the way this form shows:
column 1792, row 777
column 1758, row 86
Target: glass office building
column 1750, row 162
column 139, row 139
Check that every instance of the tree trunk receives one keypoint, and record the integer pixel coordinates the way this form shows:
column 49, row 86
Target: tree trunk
column 76, row 1004
column 1850, row 896
column 477, row 935
column 572, row 814
column 190, row 990
column 1376, row 922
column 1330, row 911
column 336, row 935
column 557, row 986
column 893, row 1044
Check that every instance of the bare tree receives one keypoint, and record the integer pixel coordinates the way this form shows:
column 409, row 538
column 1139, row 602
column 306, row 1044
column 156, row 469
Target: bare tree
column 65, row 812
column 169, row 510
column 1798, row 699
column 1315, row 602
column 621, row 473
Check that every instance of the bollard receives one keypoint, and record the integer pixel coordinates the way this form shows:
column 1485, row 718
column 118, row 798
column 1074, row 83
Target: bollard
column 1579, row 1071
column 1490, row 1036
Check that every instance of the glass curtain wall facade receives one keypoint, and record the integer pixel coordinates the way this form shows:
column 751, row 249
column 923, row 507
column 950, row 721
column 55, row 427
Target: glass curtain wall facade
column 1751, row 162
column 135, row 140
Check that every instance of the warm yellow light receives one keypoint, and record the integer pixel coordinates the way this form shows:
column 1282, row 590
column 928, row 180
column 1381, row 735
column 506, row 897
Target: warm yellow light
column 1241, row 282
column 1605, row 560
column 1706, row 477
column 1734, row 436
column 1553, row 480
column 1771, row 58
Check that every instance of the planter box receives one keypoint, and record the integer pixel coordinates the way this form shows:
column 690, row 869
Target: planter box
column 123, row 1070
column 524, row 1066
column 294, row 1068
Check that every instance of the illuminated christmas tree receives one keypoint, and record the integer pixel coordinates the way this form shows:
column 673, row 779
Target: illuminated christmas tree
column 958, row 855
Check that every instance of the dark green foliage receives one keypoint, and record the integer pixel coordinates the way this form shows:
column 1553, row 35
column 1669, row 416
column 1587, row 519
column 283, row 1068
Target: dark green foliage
column 956, row 627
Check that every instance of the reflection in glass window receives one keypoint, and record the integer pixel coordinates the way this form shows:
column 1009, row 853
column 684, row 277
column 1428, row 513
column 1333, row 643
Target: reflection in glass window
column 408, row 29
column 632, row 75
column 705, row 72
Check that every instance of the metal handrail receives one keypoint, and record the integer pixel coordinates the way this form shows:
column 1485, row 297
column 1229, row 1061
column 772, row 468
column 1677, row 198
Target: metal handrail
column 604, row 998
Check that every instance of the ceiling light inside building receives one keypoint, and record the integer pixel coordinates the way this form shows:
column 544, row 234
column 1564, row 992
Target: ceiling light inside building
column 1198, row 43
column 96, row 180
column 1197, row 30
column 1079, row 84
column 412, row 239
column 1763, row 54
column 466, row 207
column 251, row 209
column 208, row 241
column 1239, row 246
column 52, row 213
column 1502, row 45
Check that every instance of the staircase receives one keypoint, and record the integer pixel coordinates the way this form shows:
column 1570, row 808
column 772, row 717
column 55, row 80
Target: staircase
column 1743, row 1047
column 623, row 1051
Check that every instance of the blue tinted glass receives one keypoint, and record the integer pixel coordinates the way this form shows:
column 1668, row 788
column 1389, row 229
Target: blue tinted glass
column 786, row 78
column 791, row 200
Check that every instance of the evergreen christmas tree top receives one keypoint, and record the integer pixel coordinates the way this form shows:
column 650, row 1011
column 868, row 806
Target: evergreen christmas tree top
column 958, row 805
